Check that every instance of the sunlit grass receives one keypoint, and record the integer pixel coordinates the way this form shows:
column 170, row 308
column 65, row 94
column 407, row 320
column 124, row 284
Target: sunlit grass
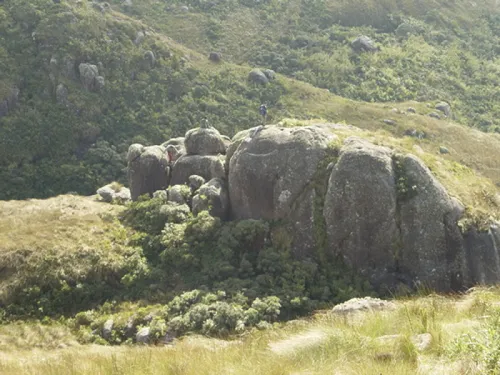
column 369, row 343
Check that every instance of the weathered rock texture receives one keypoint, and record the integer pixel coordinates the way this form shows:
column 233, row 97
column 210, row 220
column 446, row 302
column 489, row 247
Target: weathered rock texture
column 148, row 169
column 271, row 174
column 362, row 197
column 378, row 213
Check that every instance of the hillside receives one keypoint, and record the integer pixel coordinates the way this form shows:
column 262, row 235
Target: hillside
column 61, row 132
column 426, row 336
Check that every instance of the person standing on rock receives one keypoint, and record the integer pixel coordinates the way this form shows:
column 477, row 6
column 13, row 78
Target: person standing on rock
column 205, row 124
column 263, row 113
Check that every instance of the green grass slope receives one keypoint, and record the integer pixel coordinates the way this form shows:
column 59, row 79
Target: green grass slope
column 50, row 145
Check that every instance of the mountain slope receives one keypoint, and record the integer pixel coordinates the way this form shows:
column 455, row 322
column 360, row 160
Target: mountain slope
column 64, row 133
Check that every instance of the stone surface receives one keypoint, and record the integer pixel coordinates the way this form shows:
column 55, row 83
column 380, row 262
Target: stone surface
column 142, row 337
column 269, row 177
column 258, row 76
column 148, row 169
column 360, row 208
column 204, row 141
column 208, row 167
column 363, row 44
column 431, row 243
column 366, row 304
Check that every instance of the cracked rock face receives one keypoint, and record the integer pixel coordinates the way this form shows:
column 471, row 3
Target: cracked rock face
column 148, row 169
column 360, row 208
column 392, row 221
column 270, row 177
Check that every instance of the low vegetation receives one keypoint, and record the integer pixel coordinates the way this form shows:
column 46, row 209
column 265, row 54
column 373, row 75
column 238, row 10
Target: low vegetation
column 461, row 333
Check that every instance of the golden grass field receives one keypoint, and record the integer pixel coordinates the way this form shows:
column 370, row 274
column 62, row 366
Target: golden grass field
column 326, row 343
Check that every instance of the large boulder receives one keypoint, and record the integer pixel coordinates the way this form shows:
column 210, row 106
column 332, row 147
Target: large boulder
column 363, row 44
column 175, row 148
column 360, row 209
column 148, row 169
column 271, row 174
column 258, row 76
column 214, row 197
column 204, row 141
column 483, row 255
column 431, row 249
column 90, row 78
column 445, row 108
column 206, row 166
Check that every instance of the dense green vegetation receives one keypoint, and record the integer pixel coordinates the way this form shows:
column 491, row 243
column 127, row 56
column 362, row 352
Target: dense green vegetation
column 54, row 142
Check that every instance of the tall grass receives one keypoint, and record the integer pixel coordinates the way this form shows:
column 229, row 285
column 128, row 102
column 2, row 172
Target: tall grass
column 371, row 343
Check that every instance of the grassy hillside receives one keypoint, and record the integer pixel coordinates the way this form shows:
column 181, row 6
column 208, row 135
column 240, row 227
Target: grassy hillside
column 462, row 333
column 62, row 137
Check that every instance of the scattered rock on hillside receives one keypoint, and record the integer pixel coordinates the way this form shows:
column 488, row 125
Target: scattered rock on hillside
column 415, row 133
column 149, row 59
column 107, row 329
column 411, row 110
column 184, row 8
column 111, row 193
column 258, row 76
column 269, row 178
column 435, row 115
column 389, row 122
column 62, row 94
column 443, row 150
column 270, row 74
column 204, row 141
column 215, row 57
column 356, row 305
column 142, row 337
column 445, row 108
column 147, row 169
column 368, row 216
column 139, row 38
column 212, row 196
column 89, row 76
column 363, row 44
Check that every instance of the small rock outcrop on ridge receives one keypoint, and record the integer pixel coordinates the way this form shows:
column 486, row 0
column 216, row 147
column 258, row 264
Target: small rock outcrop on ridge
column 381, row 213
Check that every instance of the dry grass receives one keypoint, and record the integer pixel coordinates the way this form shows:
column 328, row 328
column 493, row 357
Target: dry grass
column 323, row 344
column 63, row 221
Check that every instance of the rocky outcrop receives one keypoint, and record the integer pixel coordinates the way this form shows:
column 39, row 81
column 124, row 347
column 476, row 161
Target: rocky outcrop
column 445, row 108
column 362, row 196
column 114, row 193
column 148, row 169
column 258, row 76
column 204, row 141
column 379, row 213
column 431, row 248
column 270, row 175
column 208, row 167
column 363, row 44
column 90, row 78
column 483, row 255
